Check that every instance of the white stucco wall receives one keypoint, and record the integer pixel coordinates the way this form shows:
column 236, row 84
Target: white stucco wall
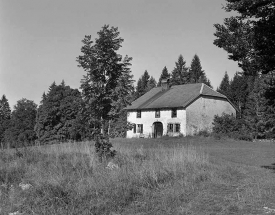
column 148, row 118
column 200, row 114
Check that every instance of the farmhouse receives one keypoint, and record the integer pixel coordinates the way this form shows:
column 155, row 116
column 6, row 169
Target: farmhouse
column 177, row 110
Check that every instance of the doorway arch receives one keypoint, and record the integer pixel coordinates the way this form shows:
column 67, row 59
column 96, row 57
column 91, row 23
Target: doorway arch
column 157, row 129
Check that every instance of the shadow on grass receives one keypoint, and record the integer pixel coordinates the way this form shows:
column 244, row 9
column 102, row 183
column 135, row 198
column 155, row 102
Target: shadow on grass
column 271, row 167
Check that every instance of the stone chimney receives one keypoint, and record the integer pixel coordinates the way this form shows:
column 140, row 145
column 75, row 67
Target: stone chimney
column 165, row 83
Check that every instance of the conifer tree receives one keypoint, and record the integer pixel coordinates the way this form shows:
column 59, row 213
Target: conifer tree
column 224, row 87
column 255, row 108
column 180, row 72
column 5, row 114
column 196, row 74
column 164, row 75
column 151, row 84
column 21, row 127
column 58, row 114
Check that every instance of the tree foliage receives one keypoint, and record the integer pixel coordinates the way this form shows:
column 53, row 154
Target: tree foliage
column 180, row 72
column 145, row 83
column 249, row 37
column 164, row 75
column 58, row 116
column 21, row 126
column 196, row 74
column 224, row 87
column 5, row 114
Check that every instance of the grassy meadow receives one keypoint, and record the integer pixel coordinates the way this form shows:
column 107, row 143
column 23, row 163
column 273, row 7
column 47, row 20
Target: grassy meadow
column 192, row 175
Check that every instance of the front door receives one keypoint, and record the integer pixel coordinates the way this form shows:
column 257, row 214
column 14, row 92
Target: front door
column 158, row 129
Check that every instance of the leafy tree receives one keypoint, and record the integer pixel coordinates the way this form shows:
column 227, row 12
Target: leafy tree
column 224, row 87
column 104, row 67
column 164, row 75
column 180, row 72
column 196, row 74
column 249, row 37
column 5, row 113
column 58, row 115
column 21, row 127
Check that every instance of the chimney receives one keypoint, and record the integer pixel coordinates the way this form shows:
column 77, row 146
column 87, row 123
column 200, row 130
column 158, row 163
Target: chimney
column 165, row 84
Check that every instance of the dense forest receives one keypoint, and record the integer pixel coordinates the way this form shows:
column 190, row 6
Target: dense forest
column 66, row 114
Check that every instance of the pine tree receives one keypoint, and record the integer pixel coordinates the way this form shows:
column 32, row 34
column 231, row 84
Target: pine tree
column 58, row 114
column 239, row 91
column 224, row 87
column 164, row 75
column 5, row 114
column 196, row 74
column 254, row 112
column 269, row 95
column 21, row 127
column 180, row 73
column 151, row 84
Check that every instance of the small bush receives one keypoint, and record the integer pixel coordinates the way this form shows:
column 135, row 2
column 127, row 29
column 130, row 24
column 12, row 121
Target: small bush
column 228, row 125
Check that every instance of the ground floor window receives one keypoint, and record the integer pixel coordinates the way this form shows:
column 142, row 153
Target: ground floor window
column 135, row 128
column 140, row 128
column 173, row 127
column 177, row 127
column 170, row 127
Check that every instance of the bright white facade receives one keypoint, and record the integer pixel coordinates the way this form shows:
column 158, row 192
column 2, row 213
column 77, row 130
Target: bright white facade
column 148, row 118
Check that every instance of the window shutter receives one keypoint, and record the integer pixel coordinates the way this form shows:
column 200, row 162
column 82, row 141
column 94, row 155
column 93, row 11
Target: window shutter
column 141, row 129
column 135, row 129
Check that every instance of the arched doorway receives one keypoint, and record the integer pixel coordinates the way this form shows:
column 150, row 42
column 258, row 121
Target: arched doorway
column 157, row 129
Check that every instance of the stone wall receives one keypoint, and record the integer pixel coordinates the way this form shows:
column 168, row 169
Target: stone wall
column 200, row 113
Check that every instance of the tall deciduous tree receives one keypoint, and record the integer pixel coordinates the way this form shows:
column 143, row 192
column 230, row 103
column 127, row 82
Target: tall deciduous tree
column 164, row 75
column 104, row 67
column 180, row 72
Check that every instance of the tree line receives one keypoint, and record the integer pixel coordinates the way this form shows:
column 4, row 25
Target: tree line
column 107, row 87
column 66, row 114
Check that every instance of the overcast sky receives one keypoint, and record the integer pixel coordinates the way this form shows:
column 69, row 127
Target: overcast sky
column 40, row 40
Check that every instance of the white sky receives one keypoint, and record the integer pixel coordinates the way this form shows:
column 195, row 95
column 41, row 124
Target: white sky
column 40, row 40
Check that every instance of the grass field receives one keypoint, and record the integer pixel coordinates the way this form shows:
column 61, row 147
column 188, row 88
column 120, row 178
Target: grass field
column 192, row 175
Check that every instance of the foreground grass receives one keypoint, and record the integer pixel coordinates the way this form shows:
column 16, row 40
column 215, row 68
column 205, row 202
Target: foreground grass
column 157, row 176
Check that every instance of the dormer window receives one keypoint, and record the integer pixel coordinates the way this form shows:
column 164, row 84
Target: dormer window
column 174, row 113
column 157, row 113
column 139, row 114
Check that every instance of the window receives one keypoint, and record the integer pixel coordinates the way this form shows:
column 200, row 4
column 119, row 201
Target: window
column 140, row 128
column 170, row 127
column 139, row 114
column 177, row 127
column 157, row 114
column 174, row 113
column 135, row 128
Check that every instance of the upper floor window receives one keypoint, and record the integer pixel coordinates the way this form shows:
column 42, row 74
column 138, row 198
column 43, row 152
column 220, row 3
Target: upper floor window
column 174, row 113
column 157, row 114
column 139, row 114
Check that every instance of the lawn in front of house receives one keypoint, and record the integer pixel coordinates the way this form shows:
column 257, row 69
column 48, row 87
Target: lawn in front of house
column 192, row 175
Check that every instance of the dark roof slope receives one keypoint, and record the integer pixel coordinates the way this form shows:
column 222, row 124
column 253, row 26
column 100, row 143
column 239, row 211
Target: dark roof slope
column 176, row 96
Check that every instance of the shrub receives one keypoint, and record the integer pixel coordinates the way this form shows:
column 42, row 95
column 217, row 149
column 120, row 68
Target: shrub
column 228, row 125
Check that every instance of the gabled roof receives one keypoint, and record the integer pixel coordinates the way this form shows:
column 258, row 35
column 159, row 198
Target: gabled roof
column 176, row 96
